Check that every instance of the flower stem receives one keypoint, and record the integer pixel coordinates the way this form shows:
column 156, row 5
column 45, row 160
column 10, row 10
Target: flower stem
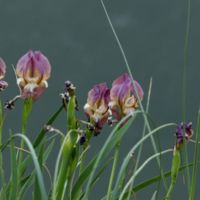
column 116, row 156
column 174, row 173
column 27, row 107
column 1, row 155
column 184, row 81
column 134, row 86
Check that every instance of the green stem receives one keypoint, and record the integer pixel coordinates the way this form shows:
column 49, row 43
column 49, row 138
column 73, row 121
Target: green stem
column 68, row 155
column 184, row 81
column 174, row 173
column 1, row 155
column 139, row 100
column 116, row 156
column 195, row 161
column 141, row 146
column 27, row 107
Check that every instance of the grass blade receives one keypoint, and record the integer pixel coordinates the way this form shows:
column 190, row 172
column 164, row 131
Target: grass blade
column 129, row 156
column 195, row 161
column 112, row 140
column 140, row 169
column 135, row 89
column 13, row 179
column 37, row 166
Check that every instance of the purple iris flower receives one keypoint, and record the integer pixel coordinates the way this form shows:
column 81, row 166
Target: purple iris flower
column 33, row 70
column 123, row 96
column 184, row 131
column 96, row 107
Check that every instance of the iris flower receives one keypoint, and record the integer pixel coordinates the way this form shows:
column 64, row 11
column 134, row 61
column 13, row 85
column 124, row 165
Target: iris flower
column 123, row 98
column 33, row 70
column 96, row 107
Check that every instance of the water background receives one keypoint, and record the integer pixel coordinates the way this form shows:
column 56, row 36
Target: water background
column 78, row 41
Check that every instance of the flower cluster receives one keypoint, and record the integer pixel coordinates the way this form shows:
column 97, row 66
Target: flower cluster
column 184, row 131
column 33, row 70
column 119, row 101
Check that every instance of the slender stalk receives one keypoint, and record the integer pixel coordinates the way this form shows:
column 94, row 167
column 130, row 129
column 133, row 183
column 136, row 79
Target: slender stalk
column 116, row 156
column 27, row 107
column 195, row 161
column 174, row 173
column 140, row 169
column 141, row 146
column 2, row 176
column 135, row 88
column 186, row 58
column 184, row 82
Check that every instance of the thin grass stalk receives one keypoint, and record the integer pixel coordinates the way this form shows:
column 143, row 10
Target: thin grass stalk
column 174, row 172
column 135, row 88
column 2, row 176
column 140, row 169
column 129, row 155
column 58, row 163
column 143, row 134
column 37, row 165
column 27, row 107
column 184, row 82
column 103, row 150
column 195, row 161
column 116, row 156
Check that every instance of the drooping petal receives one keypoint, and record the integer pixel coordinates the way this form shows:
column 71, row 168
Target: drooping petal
column 139, row 90
column 2, row 68
column 121, row 88
column 97, row 93
column 3, row 85
column 188, row 131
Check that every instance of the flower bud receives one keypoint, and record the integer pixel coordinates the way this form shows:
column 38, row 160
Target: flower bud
column 123, row 96
column 33, row 70
column 96, row 107
column 184, row 131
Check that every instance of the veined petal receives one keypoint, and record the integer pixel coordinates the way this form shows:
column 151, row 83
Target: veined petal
column 123, row 96
column 33, row 69
column 2, row 68
column 96, row 107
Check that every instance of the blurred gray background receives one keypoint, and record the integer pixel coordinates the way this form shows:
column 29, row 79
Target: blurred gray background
column 78, row 41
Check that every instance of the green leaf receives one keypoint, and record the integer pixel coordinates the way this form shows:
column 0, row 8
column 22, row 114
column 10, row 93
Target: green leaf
column 71, row 113
column 39, row 138
column 43, row 131
column 124, row 165
column 13, row 181
column 112, row 140
column 37, row 166
column 154, row 195
column 62, row 166
column 27, row 107
column 195, row 161
column 26, row 183
column 140, row 169
column 85, row 175
column 82, row 178
column 155, row 179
